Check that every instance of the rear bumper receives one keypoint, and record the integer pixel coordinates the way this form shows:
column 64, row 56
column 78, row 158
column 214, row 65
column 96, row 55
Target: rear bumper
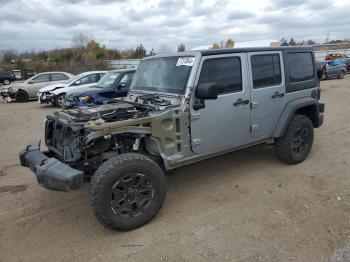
column 50, row 172
column 321, row 107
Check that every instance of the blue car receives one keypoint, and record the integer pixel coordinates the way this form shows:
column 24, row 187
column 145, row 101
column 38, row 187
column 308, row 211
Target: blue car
column 113, row 84
column 332, row 69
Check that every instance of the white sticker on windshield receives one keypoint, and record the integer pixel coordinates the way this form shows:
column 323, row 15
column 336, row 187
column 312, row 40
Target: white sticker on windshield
column 185, row 61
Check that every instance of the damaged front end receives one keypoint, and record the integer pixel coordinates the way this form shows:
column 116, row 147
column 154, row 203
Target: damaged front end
column 79, row 140
column 8, row 94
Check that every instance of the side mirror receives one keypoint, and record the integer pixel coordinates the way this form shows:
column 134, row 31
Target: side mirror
column 121, row 85
column 77, row 82
column 207, row 91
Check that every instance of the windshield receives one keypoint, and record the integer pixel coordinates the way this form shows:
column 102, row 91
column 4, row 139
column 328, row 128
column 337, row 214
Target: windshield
column 107, row 80
column 168, row 74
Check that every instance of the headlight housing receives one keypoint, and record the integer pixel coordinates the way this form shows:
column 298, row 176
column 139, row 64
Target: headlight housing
column 10, row 90
column 84, row 99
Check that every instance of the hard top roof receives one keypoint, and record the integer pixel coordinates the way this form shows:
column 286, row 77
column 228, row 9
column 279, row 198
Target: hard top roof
column 233, row 50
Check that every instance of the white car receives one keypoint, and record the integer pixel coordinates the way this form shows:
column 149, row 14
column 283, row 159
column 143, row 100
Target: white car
column 54, row 94
column 27, row 90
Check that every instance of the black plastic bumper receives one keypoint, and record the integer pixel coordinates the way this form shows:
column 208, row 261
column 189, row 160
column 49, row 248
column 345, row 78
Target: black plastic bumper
column 50, row 172
column 321, row 107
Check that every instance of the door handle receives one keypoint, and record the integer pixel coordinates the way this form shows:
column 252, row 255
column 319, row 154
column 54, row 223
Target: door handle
column 240, row 101
column 276, row 94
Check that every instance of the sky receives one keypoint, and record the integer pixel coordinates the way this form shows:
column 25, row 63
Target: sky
column 27, row 25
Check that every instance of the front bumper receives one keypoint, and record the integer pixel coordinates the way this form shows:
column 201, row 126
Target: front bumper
column 50, row 172
column 7, row 96
column 45, row 98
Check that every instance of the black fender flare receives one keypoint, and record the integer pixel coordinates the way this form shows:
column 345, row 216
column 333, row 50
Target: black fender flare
column 289, row 111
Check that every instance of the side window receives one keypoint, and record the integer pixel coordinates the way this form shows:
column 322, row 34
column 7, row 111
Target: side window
column 41, row 78
column 226, row 72
column 301, row 67
column 85, row 80
column 126, row 79
column 266, row 70
column 94, row 78
column 58, row 77
column 101, row 75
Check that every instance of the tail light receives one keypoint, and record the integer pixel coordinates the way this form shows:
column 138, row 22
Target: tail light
column 316, row 93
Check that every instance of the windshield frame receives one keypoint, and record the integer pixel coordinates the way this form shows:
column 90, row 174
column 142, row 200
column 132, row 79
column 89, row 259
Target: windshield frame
column 153, row 90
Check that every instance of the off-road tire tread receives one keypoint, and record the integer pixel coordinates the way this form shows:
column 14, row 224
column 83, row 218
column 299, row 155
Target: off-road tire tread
column 98, row 180
column 282, row 145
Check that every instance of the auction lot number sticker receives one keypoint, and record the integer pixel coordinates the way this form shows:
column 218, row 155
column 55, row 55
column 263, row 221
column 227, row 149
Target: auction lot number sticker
column 185, row 61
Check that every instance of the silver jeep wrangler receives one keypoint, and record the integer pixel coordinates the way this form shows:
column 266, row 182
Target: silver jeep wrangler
column 181, row 108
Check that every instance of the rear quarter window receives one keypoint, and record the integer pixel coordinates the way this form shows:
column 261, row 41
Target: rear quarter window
column 301, row 67
column 301, row 71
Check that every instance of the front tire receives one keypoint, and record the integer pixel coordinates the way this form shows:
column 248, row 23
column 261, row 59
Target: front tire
column 21, row 96
column 295, row 145
column 127, row 191
column 59, row 100
column 6, row 82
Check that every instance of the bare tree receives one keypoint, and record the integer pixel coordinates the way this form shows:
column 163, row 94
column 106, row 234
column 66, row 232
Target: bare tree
column 81, row 40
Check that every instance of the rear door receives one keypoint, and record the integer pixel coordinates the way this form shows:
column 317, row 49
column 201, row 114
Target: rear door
column 268, row 91
column 223, row 123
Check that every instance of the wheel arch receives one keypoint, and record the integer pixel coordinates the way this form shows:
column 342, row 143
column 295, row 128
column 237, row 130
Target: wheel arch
column 304, row 106
column 24, row 91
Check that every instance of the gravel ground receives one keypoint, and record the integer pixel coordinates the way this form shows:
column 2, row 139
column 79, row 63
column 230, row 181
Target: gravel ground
column 244, row 206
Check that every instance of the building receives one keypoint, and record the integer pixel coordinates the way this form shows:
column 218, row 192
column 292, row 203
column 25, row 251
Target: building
column 122, row 63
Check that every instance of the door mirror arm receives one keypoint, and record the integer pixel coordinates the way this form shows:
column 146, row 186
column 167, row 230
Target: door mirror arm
column 198, row 104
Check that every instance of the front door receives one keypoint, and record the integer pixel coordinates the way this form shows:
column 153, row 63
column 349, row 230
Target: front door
column 268, row 91
column 224, row 122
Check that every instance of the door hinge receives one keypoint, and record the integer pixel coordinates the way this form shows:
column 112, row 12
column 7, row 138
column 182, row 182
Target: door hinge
column 195, row 116
column 254, row 128
column 196, row 141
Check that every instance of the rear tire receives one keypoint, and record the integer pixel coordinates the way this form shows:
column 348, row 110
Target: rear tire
column 127, row 191
column 341, row 75
column 6, row 82
column 21, row 96
column 295, row 145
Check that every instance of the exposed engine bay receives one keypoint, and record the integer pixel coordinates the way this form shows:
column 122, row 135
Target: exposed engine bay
column 84, row 137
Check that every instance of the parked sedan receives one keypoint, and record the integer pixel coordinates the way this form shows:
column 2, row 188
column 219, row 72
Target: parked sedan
column 54, row 94
column 27, row 90
column 6, row 76
column 332, row 69
column 342, row 57
column 114, row 84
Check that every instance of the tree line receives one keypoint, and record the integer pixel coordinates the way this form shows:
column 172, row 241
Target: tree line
column 84, row 54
